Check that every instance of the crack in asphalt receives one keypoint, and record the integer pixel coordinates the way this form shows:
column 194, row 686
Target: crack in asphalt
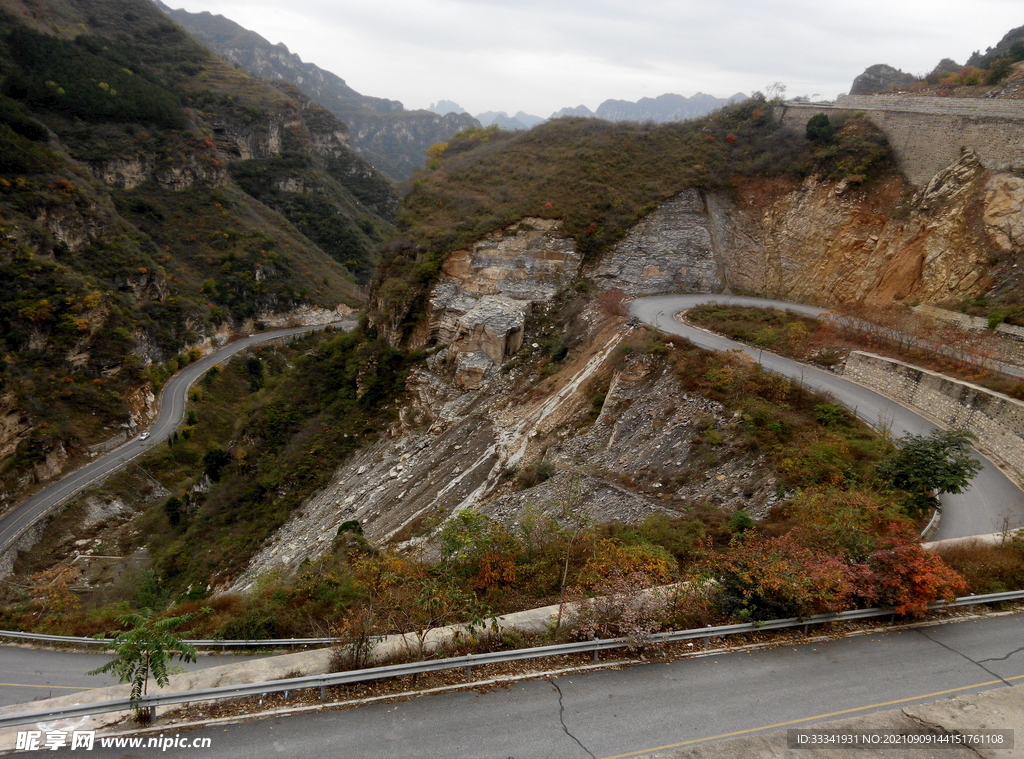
column 1004, row 658
column 561, row 718
column 972, row 661
column 941, row 729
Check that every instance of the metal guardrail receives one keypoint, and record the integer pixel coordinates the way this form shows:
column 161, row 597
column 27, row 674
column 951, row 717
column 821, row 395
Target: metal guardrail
column 466, row 662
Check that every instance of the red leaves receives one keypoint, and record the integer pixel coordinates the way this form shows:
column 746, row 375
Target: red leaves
column 765, row 578
column 848, row 548
column 907, row 578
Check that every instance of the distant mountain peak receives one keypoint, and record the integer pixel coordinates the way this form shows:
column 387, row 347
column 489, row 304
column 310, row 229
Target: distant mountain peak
column 444, row 107
column 666, row 107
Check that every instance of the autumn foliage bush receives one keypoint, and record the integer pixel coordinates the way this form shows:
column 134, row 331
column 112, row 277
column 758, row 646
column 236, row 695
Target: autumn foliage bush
column 613, row 301
column 878, row 548
column 763, row 578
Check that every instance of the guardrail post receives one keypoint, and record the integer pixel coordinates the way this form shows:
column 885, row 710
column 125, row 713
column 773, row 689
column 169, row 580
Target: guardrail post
column 152, row 714
column 596, row 656
column 323, row 693
column 469, row 673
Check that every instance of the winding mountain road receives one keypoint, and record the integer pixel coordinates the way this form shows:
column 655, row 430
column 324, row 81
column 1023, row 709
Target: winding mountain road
column 987, row 506
column 982, row 509
column 16, row 522
column 617, row 714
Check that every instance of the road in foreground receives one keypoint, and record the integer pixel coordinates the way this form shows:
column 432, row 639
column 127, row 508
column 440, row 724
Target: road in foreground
column 634, row 710
column 172, row 411
column 987, row 506
column 30, row 674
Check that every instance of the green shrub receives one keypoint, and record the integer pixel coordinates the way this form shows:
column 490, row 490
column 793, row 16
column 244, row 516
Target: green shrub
column 819, row 129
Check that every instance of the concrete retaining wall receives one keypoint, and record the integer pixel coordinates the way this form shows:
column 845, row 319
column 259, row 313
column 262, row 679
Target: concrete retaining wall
column 996, row 419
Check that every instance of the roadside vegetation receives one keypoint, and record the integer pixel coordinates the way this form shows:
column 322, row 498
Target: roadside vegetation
column 996, row 568
column 260, row 437
column 895, row 332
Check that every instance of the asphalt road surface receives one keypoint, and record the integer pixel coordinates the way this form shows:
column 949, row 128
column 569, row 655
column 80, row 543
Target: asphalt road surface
column 635, row 710
column 29, row 674
column 172, row 411
column 987, row 506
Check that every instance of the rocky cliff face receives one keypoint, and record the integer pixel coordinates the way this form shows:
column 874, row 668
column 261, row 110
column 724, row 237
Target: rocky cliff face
column 394, row 140
column 831, row 244
column 826, row 242
column 479, row 306
column 619, row 436
column 672, row 250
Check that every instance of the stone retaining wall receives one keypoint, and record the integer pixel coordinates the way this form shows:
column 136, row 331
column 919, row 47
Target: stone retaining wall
column 996, row 419
column 968, row 322
column 926, row 134
column 924, row 104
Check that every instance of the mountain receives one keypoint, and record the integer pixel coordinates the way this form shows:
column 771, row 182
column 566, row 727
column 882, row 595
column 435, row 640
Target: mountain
column 992, row 74
column 444, row 107
column 502, row 119
column 880, row 77
column 153, row 198
column 496, row 347
column 520, row 121
column 1010, row 46
column 393, row 139
column 580, row 111
column 661, row 109
column 528, row 119
column 664, row 108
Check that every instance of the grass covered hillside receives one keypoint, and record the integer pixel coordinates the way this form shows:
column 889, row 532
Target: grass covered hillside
column 599, row 178
column 151, row 194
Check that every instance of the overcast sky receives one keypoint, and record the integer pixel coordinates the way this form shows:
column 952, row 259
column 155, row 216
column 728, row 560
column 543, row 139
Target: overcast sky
column 542, row 55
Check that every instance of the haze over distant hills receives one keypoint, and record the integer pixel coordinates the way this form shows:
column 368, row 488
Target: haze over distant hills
column 393, row 139
column 667, row 107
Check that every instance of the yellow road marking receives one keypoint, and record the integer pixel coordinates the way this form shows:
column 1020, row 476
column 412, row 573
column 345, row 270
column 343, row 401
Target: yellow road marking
column 808, row 719
column 57, row 687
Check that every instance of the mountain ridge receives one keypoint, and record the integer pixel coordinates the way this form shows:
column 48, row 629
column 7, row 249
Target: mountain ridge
column 154, row 198
column 667, row 107
column 393, row 139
